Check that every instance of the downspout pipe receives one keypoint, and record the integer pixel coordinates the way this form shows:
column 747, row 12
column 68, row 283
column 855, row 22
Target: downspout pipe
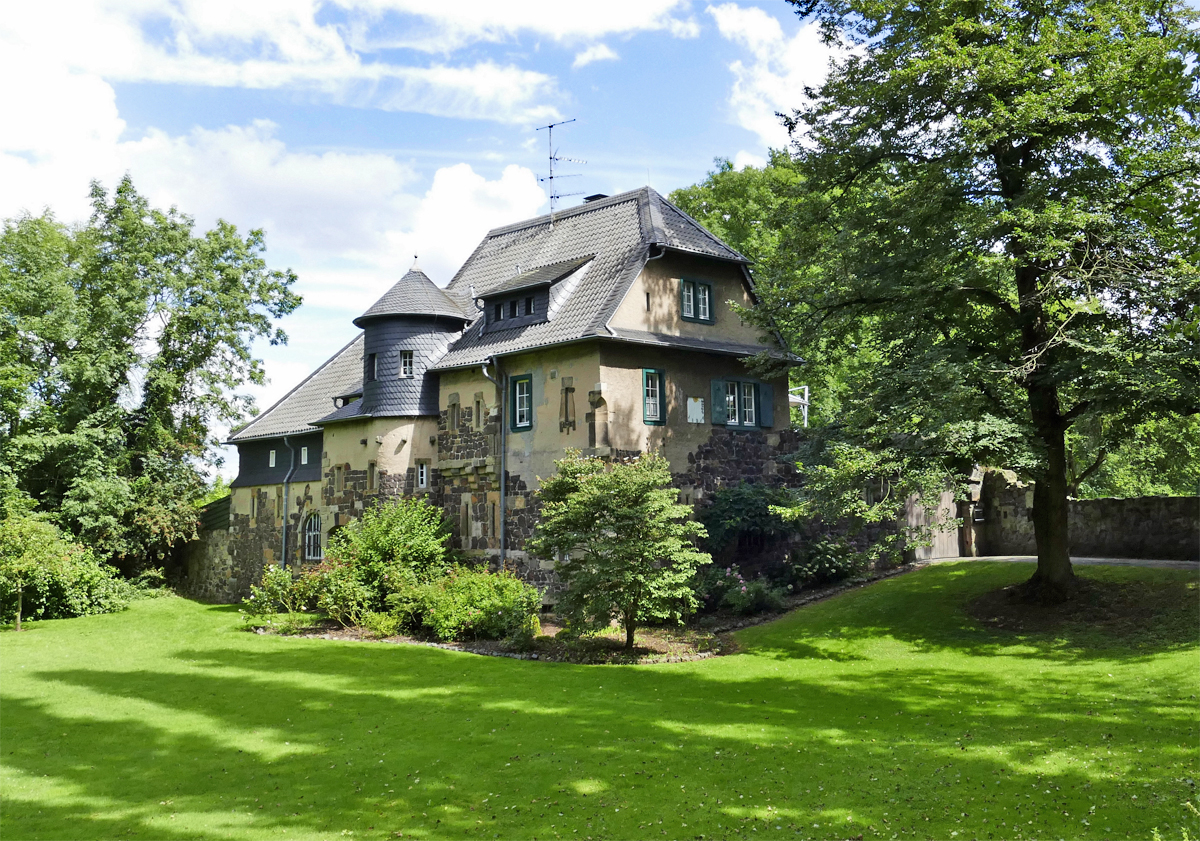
column 286, row 480
column 502, row 385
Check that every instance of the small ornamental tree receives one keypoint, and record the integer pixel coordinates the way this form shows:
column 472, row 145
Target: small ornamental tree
column 623, row 544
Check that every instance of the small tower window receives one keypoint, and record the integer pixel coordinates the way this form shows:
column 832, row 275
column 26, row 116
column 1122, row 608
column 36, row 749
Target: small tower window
column 271, row 459
column 304, row 455
column 422, row 474
column 406, row 363
column 370, row 371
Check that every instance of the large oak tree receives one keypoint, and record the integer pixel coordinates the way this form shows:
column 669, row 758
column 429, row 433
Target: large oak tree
column 1001, row 198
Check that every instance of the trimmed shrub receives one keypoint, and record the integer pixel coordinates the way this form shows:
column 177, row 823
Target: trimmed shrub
column 381, row 625
column 57, row 578
column 470, row 603
column 825, row 561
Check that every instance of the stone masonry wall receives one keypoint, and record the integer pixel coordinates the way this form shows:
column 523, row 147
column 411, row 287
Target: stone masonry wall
column 1156, row 527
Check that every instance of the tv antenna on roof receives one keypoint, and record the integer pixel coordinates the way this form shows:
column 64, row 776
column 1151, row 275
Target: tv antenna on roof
column 555, row 158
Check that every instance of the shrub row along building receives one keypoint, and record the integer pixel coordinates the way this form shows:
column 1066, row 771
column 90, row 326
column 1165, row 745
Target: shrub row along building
column 610, row 328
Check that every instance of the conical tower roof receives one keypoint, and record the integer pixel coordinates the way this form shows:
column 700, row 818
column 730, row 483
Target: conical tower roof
column 413, row 294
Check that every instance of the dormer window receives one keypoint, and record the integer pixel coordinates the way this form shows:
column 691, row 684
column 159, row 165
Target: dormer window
column 499, row 312
column 406, row 363
column 512, row 309
column 696, row 301
column 529, row 305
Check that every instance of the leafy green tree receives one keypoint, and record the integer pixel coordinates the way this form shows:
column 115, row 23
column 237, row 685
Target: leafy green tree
column 1001, row 202
column 623, row 544
column 122, row 343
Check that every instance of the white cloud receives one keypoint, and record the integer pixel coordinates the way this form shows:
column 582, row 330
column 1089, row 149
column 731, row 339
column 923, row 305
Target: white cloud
column 264, row 45
column 775, row 77
column 449, row 26
column 744, row 159
column 596, row 52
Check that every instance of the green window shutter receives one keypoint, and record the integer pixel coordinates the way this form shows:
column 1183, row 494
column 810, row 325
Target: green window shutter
column 766, row 405
column 718, row 402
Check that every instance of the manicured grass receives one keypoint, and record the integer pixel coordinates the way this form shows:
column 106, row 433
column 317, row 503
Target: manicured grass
column 886, row 711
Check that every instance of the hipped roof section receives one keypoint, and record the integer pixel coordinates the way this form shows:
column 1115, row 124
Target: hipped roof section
column 616, row 232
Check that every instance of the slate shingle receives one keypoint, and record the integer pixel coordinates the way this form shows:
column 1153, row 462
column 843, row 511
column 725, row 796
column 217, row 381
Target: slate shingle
column 311, row 399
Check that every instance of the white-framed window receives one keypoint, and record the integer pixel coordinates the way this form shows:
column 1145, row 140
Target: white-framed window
column 312, row 538
column 653, row 406
column 696, row 301
column 422, row 474
column 522, row 402
column 748, row 404
column 304, row 455
column 271, row 459
column 406, row 363
column 742, row 403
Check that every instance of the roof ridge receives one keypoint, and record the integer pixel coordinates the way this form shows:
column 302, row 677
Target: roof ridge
column 586, row 207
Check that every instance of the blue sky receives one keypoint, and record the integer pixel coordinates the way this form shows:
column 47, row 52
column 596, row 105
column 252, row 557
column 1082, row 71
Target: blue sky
column 360, row 132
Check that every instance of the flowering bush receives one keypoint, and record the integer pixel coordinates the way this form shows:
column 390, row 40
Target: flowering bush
column 757, row 596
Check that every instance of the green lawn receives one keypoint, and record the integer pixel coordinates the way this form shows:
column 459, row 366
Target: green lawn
column 885, row 711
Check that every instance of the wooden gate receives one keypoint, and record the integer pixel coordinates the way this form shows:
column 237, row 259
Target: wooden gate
column 946, row 541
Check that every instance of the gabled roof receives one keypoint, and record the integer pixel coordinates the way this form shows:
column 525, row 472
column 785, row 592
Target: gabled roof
column 615, row 232
column 414, row 294
column 295, row 412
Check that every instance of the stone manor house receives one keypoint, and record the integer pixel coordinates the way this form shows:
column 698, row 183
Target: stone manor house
column 609, row 327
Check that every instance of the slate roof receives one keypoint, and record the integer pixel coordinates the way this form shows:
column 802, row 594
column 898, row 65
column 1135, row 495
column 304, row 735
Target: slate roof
column 312, row 399
column 591, row 254
column 414, row 294
column 544, row 276
column 618, row 230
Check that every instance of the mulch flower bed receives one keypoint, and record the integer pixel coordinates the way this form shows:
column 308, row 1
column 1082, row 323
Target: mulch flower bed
column 706, row 636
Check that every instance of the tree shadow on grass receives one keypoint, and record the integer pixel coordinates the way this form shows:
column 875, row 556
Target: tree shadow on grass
column 316, row 738
column 1125, row 613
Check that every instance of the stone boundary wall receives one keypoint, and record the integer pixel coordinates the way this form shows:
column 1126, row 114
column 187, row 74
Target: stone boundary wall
column 1154, row 527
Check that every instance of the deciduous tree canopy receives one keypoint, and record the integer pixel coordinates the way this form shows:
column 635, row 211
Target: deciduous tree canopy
column 122, row 342
column 1002, row 200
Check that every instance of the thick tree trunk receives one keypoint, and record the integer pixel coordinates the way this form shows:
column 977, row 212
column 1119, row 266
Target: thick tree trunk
column 1054, row 579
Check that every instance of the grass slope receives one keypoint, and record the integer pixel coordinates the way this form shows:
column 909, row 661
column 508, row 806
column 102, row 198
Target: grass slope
column 885, row 711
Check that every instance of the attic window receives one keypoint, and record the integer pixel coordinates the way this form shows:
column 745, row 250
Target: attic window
column 529, row 305
column 499, row 312
column 695, row 301
column 512, row 309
